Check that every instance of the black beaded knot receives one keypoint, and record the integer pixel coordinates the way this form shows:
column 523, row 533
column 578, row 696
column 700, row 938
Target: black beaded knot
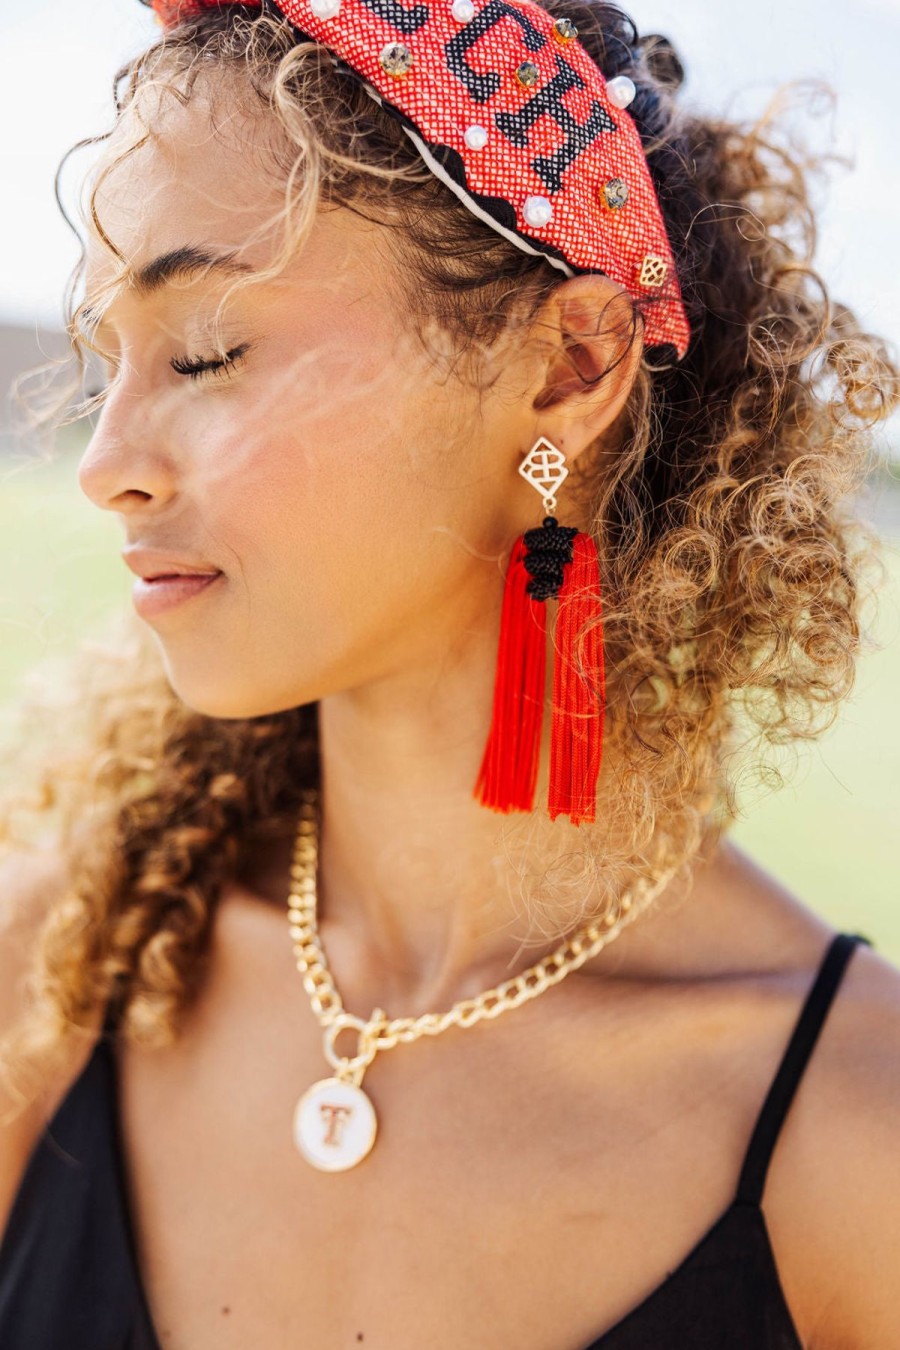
column 548, row 551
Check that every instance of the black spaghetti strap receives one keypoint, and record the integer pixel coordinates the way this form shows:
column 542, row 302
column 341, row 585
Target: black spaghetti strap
column 110, row 1020
column 790, row 1070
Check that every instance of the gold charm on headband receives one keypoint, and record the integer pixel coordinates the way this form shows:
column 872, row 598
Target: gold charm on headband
column 653, row 270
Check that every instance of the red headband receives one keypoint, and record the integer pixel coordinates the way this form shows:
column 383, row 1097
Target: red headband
column 508, row 109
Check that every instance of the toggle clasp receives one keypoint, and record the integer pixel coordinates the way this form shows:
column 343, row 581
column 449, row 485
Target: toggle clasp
column 352, row 1068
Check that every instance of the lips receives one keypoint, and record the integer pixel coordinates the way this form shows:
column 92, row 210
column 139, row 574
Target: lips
column 156, row 596
column 165, row 576
column 152, row 564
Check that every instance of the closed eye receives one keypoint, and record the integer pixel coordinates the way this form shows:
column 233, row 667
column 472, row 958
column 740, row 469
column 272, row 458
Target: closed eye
column 198, row 365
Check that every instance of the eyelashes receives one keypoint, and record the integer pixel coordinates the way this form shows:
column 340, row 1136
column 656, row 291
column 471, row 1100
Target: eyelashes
column 193, row 367
column 199, row 366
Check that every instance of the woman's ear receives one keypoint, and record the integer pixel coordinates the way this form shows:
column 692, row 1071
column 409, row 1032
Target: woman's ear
column 590, row 340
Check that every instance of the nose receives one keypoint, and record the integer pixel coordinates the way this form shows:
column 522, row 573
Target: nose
column 124, row 466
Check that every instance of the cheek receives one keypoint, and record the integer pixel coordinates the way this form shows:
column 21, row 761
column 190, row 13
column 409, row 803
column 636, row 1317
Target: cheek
column 333, row 512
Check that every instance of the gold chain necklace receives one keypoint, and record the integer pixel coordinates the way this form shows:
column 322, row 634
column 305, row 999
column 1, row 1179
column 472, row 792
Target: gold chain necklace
column 334, row 1121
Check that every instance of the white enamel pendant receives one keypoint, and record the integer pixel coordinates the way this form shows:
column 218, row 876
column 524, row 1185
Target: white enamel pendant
column 334, row 1125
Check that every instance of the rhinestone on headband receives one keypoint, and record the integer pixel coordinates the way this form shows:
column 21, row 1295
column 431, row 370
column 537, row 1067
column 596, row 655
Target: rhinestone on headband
column 564, row 30
column 615, row 193
column 396, row 58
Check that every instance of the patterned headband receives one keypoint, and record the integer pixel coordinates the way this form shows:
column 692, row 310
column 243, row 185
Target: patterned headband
column 507, row 108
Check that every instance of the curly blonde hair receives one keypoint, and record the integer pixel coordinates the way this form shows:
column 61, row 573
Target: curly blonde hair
column 734, row 568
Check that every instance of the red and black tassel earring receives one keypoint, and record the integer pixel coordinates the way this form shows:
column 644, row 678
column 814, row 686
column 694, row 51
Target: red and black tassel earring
column 551, row 562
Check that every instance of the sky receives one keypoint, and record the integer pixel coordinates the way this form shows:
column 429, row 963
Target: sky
column 58, row 58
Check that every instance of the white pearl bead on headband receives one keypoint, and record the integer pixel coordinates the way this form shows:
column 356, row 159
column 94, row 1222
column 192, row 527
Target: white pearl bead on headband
column 620, row 91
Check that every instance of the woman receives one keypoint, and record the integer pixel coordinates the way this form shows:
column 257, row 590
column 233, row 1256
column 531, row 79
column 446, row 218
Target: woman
column 328, row 426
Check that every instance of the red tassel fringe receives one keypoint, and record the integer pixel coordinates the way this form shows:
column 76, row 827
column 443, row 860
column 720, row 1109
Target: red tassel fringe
column 579, row 688
column 508, row 773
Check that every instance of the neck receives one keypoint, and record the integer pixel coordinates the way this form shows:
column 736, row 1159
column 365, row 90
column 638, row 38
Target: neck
column 426, row 896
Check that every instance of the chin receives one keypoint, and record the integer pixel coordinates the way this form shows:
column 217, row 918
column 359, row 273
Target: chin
column 219, row 703
column 226, row 684
column 231, row 702
column 213, row 694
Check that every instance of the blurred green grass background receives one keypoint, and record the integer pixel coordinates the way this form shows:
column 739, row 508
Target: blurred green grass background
column 829, row 834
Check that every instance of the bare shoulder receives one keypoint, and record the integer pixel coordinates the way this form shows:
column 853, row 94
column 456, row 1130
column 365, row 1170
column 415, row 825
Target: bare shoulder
column 832, row 1197
column 853, row 1175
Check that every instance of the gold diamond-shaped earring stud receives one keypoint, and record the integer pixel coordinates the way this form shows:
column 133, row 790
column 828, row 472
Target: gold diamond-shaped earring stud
column 544, row 467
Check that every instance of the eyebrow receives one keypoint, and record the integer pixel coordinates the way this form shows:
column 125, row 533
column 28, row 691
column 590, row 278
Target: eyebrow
column 178, row 262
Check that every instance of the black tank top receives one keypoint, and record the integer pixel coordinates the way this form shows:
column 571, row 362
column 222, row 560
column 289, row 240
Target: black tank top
column 68, row 1265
